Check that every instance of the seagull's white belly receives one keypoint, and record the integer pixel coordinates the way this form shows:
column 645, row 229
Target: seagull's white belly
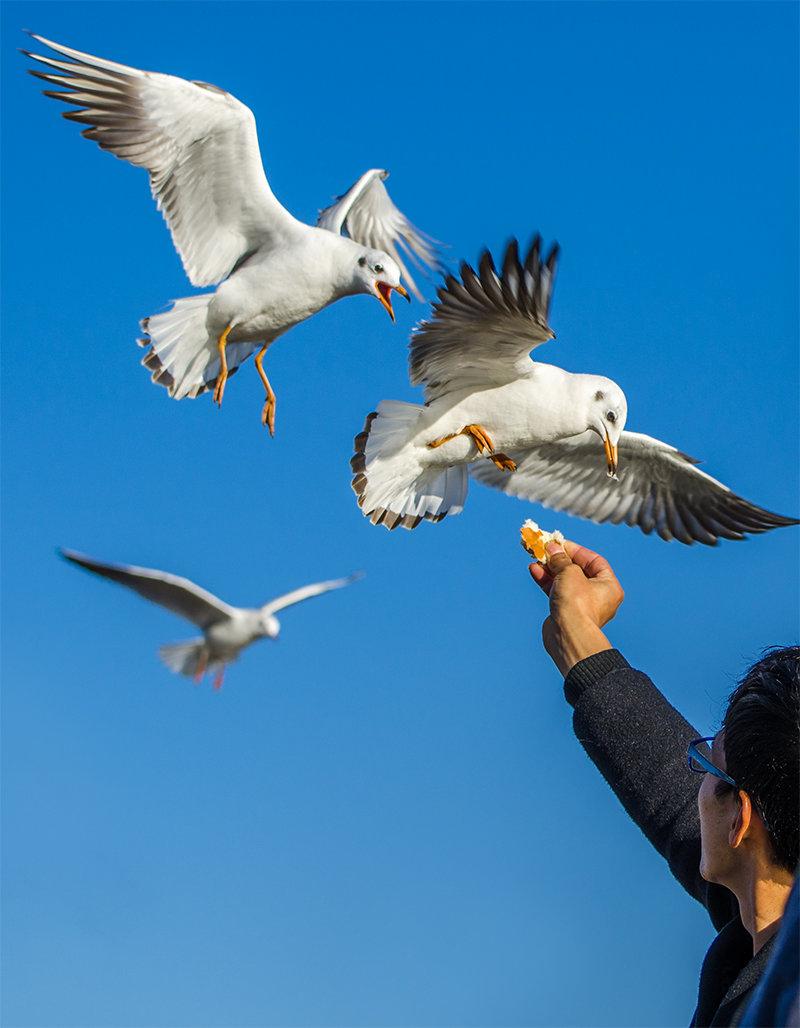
column 267, row 298
column 515, row 416
column 278, row 315
column 227, row 638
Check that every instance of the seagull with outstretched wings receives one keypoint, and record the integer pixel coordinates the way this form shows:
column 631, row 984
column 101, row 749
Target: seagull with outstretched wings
column 527, row 428
column 200, row 148
column 226, row 630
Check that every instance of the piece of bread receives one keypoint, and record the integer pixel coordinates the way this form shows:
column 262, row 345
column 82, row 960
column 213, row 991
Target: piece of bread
column 535, row 539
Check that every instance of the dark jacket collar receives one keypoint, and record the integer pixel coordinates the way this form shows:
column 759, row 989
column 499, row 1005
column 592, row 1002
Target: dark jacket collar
column 729, row 972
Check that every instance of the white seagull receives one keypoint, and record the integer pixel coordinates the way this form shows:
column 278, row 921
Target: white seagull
column 226, row 630
column 527, row 428
column 200, row 147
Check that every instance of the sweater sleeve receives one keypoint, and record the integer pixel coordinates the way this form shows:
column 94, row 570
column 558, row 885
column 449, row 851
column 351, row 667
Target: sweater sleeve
column 638, row 742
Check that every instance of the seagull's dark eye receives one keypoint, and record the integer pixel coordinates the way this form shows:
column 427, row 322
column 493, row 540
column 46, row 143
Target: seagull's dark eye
column 362, row 261
column 378, row 268
column 611, row 416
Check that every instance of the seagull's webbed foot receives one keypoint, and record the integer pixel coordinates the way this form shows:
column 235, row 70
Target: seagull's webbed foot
column 219, row 678
column 502, row 462
column 222, row 377
column 268, row 412
column 200, row 670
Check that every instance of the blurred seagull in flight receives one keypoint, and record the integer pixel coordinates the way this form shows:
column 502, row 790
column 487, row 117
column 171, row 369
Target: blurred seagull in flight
column 200, row 147
column 226, row 630
column 529, row 429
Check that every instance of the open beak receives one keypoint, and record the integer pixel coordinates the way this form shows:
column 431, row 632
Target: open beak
column 384, row 291
column 612, row 457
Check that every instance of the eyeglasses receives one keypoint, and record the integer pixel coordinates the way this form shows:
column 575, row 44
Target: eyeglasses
column 700, row 763
column 698, row 758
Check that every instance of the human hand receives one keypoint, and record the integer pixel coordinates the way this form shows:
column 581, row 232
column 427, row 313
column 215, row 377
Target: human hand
column 584, row 595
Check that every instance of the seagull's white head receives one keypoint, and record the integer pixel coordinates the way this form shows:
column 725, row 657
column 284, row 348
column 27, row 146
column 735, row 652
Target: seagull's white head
column 270, row 626
column 378, row 274
column 608, row 411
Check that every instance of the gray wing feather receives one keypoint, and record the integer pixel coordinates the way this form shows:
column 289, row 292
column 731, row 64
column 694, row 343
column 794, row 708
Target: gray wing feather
column 368, row 215
column 305, row 592
column 484, row 325
column 179, row 595
column 659, row 489
column 198, row 143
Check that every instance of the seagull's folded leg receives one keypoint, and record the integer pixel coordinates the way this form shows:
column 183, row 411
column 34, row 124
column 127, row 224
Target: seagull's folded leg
column 483, row 441
column 434, row 443
column 268, row 413
column 200, row 670
column 222, row 377
column 479, row 436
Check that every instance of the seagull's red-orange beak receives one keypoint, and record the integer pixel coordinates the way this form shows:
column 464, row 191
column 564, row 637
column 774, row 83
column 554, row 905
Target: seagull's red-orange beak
column 384, row 292
column 612, row 456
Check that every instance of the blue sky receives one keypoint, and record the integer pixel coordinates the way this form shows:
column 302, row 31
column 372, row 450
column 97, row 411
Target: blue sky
column 383, row 818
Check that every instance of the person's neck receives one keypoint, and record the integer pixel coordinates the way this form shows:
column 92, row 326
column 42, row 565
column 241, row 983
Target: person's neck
column 762, row 893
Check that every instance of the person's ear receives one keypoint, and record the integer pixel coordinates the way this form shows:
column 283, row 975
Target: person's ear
column 741, row 823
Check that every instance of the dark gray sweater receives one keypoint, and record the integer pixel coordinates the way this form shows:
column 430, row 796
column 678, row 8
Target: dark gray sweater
column 638, row 742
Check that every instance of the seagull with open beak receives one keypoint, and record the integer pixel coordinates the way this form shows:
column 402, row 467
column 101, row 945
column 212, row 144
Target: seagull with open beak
column 270, row 271
column 379, row 274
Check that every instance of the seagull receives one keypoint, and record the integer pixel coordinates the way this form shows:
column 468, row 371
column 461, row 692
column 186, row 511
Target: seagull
column 226, row 630
column 529, row 429
column 200, row 148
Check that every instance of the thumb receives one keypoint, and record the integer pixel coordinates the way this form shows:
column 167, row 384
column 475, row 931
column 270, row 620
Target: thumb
column 557, row 559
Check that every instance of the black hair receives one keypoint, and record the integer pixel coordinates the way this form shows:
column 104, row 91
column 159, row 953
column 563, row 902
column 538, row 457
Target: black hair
column 762, row 746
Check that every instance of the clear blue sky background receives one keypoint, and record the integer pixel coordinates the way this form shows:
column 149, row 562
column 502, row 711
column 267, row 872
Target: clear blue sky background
column 384, row 818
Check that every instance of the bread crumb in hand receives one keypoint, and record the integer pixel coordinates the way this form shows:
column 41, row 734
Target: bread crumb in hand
column 534, row 540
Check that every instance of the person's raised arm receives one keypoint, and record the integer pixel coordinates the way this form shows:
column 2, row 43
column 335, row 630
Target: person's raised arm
column 635, row 737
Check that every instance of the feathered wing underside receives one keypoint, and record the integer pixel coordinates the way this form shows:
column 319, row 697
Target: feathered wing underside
column 485, row 325
column 179, row 595
column 659, row 489
column 368, row 215
column 305, row 592
column 198, row 143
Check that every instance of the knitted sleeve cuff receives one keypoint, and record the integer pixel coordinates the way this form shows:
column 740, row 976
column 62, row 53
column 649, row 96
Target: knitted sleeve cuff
column 590, row 670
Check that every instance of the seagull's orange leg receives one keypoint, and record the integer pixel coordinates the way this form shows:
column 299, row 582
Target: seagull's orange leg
column 268, row 413
column 222, row 377
column 200, row 670
column 219, row 678
column 479, row 436
column 442, row 440
column 484, row 443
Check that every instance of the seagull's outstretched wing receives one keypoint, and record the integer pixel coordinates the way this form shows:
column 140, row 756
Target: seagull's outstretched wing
column 305, row 592
column 484, row 326
column 659, row 489
column 176, row 594
column 198, row 143
column 367, row 214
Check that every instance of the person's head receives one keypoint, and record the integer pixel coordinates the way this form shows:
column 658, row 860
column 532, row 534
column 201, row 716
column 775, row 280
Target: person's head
column 757, row 819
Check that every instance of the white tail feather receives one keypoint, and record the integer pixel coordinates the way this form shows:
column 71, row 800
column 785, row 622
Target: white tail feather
column 392, row 485
column 183, row 357
column 186, row 658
